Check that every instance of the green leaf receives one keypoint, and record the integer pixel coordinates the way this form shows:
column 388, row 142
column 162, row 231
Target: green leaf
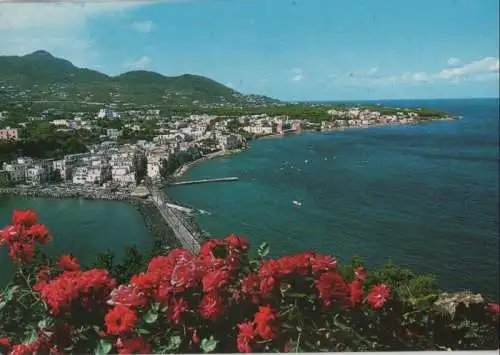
column 10, row 293
column 208, row 345
column 2, row 304
column 263, row 249
column 173, row 343
column 103, row 347
column 150, row 317
column 143, row 331
column 31, row 337
column 254, row 265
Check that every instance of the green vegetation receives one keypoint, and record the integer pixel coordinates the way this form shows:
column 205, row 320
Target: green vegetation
column 41, row 77
column 43, row 141
column 169, row 166
column 140, row 167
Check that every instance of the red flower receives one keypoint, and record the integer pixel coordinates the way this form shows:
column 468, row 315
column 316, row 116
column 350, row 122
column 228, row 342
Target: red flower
column 26, row 218
column 176, row 309
column 135, row 345
column 360, row 273
column 22, row 253
column 494, row 307
column 127, row 296
column 331, row 286
column 43, row 273
column 355, row 292
column 40, row 233
column 378, row 295
column 5, row 342
column 264, row 320
column 246, row 334
column 68, row 263
column 87, row 289
column 214, row 280
column 237, row 242
column 211, row 306
column 120, row 320
column 267, row 286
column 323, row 263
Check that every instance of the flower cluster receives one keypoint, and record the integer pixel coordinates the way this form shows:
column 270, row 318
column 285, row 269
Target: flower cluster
column 82, row 289
column 22, row 236
column 189, row 303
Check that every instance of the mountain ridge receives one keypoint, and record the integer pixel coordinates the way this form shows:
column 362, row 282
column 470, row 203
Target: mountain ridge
column 45, row 76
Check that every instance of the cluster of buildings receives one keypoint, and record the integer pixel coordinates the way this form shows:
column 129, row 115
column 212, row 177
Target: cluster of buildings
column 362, row 117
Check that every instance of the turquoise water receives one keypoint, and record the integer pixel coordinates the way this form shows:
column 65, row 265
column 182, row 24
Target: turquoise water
column 83, row 228
column 424, row 195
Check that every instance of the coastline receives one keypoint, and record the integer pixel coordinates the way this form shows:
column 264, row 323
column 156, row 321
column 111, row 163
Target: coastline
column 183, row 169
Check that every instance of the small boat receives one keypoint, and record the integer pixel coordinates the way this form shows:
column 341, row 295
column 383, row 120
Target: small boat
column 297, row 203
column 306, row 161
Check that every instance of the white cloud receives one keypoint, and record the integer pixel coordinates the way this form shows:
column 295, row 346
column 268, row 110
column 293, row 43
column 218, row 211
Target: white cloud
column 59, row 28
column 480, row 70
column 298, row 74
column 142, row 26
column 139, row 64
column 371, row 71
column 481, row 66
column 454, row 61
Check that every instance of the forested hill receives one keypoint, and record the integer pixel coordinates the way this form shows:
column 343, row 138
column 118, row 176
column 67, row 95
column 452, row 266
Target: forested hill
column 40, row 76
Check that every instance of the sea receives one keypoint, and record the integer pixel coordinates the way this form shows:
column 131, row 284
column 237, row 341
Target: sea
column 423, row 196
column 83, row 228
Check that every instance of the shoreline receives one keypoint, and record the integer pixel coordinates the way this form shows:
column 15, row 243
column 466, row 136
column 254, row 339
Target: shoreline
column 184, row 169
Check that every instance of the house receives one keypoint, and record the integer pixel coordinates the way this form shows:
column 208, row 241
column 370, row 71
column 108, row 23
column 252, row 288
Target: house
column 114, row 133
column 37, row 174
column 231, row 141
column 16, row 171
column 9, row 133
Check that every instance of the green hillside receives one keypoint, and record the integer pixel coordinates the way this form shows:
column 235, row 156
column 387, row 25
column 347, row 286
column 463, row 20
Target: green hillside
column 39, row 76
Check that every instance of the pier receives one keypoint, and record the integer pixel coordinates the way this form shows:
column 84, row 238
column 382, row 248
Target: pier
column 204, row 181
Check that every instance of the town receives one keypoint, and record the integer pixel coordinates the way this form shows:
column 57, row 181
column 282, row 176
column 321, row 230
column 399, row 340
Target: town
column 117, row 163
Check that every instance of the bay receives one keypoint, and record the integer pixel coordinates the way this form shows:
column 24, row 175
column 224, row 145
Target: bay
column 425, row 196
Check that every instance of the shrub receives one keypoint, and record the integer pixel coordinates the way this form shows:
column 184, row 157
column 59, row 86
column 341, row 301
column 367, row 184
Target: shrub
column 226, row 299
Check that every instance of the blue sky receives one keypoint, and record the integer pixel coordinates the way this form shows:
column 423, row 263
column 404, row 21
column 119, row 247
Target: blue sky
column 289, row 49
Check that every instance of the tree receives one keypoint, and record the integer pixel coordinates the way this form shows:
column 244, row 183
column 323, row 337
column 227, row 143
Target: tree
column 140, row 166
column 55, row 176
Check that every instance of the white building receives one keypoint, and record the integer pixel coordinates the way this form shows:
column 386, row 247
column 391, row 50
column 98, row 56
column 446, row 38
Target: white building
column 17, row 172
column 114, row 133
column 231, row 141
column 258, row 130
column 36, row 175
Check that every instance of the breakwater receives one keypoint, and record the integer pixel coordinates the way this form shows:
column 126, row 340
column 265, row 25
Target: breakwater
column 187, row 231
column 155, row 223
column 65, row 192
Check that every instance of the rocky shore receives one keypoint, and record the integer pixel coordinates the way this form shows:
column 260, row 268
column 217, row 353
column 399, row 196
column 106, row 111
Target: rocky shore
column 66, row 192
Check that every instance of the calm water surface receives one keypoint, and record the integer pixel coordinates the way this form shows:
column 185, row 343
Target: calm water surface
column 83, row 228
column 424, row 195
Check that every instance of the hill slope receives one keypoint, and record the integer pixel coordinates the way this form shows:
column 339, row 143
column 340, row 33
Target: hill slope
column 39, row 76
